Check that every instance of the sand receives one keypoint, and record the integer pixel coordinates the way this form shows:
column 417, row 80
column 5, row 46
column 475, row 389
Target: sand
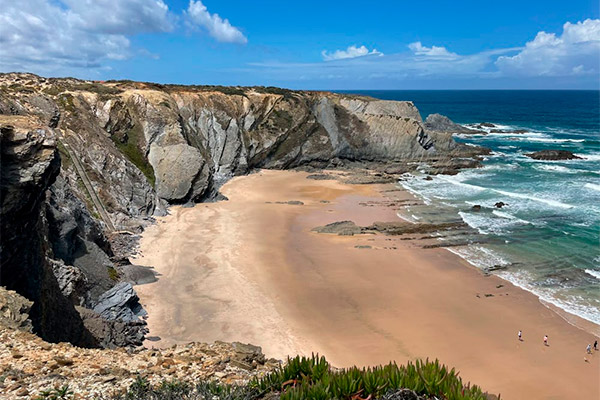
column 250, row 269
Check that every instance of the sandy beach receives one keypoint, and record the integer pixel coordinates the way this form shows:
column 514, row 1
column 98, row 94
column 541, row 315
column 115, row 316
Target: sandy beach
column 249, row 269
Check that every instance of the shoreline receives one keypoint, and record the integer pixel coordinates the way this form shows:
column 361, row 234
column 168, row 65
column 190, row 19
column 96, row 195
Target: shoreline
column 284, row 296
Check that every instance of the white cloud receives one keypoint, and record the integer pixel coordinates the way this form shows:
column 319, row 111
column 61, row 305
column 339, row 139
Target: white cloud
column 350, row 52
column 47, row 37
column 575, row 52
column 433, row 51
column 218, row 28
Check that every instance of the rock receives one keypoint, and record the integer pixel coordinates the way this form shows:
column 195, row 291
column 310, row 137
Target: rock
column 341, row 228
column 14, row 311
column 500, row 204
column 402, row 228
column 29, row 165
column 120, row 303
column 441, row 123
column 486, row 125
column 428, row 178
column 248, row 354
column 321, row 177
column 402, row 394
column 114, row 333
column 476, row 207
column 553, row 155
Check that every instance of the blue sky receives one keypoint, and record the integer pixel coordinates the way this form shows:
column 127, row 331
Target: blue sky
column 309, row 44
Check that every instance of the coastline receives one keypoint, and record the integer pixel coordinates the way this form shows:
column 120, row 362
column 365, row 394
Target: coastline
column 249, row 269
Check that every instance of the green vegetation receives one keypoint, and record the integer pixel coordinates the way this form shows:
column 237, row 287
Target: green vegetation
column 53, row 90
column 65, row 101
column 62, row 393
column 313, row 378
column 129, row 146
column 282, row 119
column 65, row 157
column 113, row 274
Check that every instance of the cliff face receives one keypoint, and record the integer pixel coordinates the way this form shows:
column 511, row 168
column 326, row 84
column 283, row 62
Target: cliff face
column 129, row 149
column 30, row 164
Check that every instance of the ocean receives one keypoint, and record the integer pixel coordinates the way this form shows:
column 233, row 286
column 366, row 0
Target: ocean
column 548, row 235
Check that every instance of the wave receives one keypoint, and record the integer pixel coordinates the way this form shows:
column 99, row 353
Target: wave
column 510, row 217
column 556, row 168
column 595, row 274
column 552, row 203
column 571, row 304
column 589, row 157
column 551, row 140
column 592, row 186
column 549, row 202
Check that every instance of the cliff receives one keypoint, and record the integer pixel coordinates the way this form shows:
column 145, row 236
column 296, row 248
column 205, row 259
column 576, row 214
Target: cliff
column 85, row 166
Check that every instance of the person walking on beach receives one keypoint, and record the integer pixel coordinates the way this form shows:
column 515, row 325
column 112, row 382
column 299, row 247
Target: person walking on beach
column 589, row 349
column 596, row 345
column 520, row 336
column 545, row 340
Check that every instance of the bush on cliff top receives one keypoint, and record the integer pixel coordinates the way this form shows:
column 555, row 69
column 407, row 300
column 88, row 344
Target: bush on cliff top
column 313, row 378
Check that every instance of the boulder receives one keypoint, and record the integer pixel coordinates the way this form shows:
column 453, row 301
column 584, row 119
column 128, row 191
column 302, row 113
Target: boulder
column 500, row 204
column 120, row 303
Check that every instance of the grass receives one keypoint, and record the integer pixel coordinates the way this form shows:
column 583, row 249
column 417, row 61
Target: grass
column 130, row 148
column 313, row 378
column 113, row 274
column 65, row 158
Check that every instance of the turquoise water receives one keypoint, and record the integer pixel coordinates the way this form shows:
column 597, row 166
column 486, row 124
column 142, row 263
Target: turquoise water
column 548, row 234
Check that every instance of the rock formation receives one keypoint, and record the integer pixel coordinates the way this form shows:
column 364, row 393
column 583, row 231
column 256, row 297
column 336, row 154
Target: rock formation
column 85, row 166
column 441, row 123
column 553, row 155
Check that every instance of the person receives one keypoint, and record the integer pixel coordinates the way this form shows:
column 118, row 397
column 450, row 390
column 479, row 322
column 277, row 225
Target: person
column 520, row 335
column 589, row 349
column 596, row 345
column 546, row 340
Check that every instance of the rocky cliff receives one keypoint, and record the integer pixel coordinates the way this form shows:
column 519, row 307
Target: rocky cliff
column 85, row 166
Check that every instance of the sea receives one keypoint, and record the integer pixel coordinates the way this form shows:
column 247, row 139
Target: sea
column 546, row 239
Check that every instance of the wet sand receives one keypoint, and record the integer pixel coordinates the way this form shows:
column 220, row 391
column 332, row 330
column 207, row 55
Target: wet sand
column 250, row 269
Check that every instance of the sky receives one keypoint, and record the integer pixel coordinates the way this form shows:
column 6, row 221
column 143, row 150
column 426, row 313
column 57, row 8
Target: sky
column 332, row 45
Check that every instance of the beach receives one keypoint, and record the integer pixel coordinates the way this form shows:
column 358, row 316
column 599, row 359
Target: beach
column 250, row 269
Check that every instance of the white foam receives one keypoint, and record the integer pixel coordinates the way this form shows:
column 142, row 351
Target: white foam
column 592, row 186
column 595, row 274
column 589, row 157
column 551, row 140
column 552, row 203
column 510, row 217
column 555, row 168
column 571, row 304
column 457, row 180
column 478, row 256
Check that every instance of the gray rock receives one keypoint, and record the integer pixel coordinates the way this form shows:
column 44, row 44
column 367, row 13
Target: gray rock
column 553, row 155
column 341, row 228
column 441, row 123
column 120, row 303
